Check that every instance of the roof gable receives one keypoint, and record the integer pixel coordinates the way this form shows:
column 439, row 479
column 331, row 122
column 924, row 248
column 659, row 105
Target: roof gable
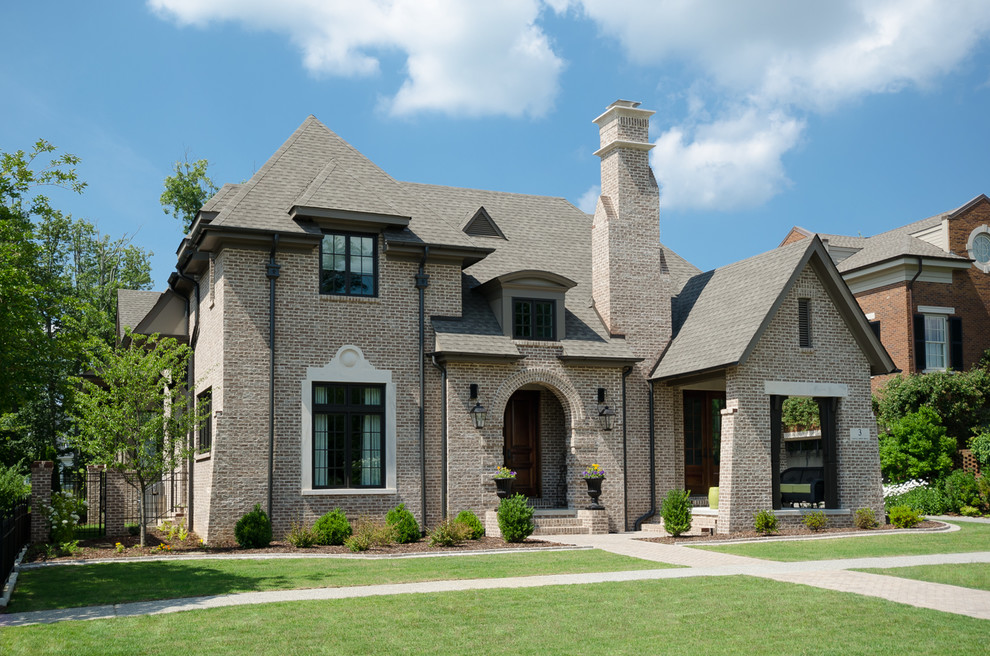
column 720, row 315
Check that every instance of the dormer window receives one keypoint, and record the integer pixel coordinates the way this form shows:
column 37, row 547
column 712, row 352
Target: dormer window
column 349, row 264
column 534, row 318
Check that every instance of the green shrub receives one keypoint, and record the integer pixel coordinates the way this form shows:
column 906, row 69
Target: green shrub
column 515, row 518
column 404, row 522
column 332, row 528
column 980, row 445
column 448, row 533
column 471, row 520
column 132, row 528
column 904, row 517
column 676, row 512
column 63, row 516
column 969, row 511
column 300, row 536
column 369, row 533
column 14, row 486
column 960, row 399
column 916, row 446
column 961, row 490
column 816, row 521
column 866, row 518
column 800, row 413
column 254, row 529
column 926, row 499
column 765, row 522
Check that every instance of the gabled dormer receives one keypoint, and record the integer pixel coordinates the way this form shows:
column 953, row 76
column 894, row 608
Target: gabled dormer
column 528, row 304
column 481, row 224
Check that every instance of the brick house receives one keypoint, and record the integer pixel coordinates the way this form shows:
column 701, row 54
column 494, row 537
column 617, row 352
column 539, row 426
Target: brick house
column 349, row 330
column 925, row 286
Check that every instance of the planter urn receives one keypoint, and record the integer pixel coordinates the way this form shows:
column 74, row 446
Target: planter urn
column 503, row 487
column 594, row 491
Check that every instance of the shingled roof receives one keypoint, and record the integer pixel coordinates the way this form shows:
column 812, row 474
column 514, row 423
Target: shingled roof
column 719, row 316
column 133, row 306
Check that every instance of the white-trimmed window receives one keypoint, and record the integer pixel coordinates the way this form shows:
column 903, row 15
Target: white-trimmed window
column 936, row 342
column 348, row 427
column 978, row 246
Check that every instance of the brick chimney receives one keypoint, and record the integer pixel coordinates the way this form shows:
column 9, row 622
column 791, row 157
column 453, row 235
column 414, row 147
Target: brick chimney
column 631, row 287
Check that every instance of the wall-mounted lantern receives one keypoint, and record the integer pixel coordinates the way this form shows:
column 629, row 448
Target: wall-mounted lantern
column 478, row 413
column 606, row 415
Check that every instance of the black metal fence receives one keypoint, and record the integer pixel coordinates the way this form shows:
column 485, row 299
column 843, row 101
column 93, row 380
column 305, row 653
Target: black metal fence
column 91, row 487
column 15, row 532
column 163, row 499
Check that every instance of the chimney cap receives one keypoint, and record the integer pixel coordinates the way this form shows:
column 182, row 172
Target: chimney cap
column 632, row 104
column 629, row 108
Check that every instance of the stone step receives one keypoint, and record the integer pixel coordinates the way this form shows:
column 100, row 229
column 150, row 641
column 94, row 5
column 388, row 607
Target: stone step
column 562, row 530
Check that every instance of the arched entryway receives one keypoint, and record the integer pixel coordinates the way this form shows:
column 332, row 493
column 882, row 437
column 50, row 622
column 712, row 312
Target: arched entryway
column 534, row 432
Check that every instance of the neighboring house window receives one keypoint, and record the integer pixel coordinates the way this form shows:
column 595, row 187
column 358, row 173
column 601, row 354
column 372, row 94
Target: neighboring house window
column 937, row 342
column 533, row 319
column 978, row 246
column 875, row 327
column 804, row 322
column 349, row 264
column 348, row 436
column 205, row 403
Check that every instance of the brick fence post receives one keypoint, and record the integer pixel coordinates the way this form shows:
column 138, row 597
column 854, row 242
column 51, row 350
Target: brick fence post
column 116, row 500
column 41, row 497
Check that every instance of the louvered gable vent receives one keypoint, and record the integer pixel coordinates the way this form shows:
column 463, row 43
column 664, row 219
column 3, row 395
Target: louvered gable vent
column 482, row 225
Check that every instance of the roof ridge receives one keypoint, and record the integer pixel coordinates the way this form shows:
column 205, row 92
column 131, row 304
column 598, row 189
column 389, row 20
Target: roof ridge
column 487, row 191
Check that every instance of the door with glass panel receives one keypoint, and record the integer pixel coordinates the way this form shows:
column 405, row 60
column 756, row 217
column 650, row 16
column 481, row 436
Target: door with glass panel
column 702, row 439
column 348, row 436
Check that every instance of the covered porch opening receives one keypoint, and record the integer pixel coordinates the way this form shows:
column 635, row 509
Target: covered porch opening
column 534, row 432
column 803, row 458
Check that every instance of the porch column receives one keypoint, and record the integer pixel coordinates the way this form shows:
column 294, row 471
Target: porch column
column 827, row 408
column 776, row 435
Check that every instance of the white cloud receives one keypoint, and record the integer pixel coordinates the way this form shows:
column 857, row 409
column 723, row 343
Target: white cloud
column 471, row 58
column 780, row 60
column 734, row 163
column 588, row 201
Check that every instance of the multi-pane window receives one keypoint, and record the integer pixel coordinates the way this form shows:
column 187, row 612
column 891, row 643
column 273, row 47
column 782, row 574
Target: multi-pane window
column 348, row 435
column 533, row 319
column 348, row 263
column 935, row 342
column 205, row 403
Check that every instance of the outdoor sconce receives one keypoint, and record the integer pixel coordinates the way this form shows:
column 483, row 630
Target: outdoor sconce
column 606, row 415
column 478, row 413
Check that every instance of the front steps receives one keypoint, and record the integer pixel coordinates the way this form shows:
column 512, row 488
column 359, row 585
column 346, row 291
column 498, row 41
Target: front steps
column 565, row 521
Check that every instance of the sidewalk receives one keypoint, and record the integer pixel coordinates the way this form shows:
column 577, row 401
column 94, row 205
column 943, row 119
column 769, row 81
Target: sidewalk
column 829, row 574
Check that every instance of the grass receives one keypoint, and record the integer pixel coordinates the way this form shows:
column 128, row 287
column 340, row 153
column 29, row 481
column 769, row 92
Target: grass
column 712, row 616
column 113, row 583
column 970, row 575
column 969, row 537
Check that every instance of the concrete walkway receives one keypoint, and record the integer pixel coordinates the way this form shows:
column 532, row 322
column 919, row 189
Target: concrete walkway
column 829, row 574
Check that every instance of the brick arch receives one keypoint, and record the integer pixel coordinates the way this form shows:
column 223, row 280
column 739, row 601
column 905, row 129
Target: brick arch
column 562, row 388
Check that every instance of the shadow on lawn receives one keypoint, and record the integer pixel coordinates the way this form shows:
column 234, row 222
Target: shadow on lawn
column 114, row 583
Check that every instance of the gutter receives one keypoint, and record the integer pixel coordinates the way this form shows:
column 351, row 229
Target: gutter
column 443, row 434
column 653, row 466
column 625, row 453
column 422, row 282
column 271, row 272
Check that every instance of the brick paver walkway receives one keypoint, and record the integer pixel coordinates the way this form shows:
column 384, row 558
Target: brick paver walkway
column 829, row 574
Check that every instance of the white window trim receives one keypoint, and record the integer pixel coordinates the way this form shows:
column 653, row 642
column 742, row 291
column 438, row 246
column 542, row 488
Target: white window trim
column 979, row 230
column 347, row 366
column 944, row 315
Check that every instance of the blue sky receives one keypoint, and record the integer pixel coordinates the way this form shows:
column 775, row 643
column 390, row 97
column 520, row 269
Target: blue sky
column 847, row 117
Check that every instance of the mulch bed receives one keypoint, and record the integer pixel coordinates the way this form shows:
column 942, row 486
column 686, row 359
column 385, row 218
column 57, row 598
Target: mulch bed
column 784, row 532
column 106, row 548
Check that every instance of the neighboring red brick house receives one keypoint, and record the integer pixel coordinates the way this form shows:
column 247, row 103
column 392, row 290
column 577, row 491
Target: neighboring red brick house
column 350, row 330
column 925, row 287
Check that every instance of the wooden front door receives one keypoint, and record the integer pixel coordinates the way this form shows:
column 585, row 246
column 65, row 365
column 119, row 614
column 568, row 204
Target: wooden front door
column 702, row 439
column 521, row 430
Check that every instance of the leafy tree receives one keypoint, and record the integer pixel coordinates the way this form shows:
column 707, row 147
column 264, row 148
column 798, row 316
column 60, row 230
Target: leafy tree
column 801, row 412
column 136, row 419
column 187, row 190
column 960, row 399
column 916, row 447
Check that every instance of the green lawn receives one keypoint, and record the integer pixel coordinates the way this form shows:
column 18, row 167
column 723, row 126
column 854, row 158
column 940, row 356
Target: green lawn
column 970, row 575
column 113, row 583
column 712, row 616
column 970, row 537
